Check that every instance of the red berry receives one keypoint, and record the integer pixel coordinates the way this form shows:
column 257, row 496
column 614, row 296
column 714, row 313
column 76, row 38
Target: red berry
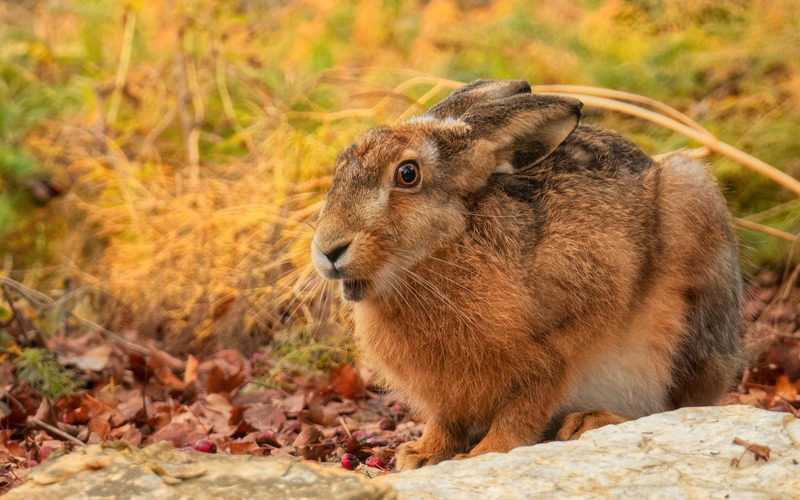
column 350, row 461
column 206, row 446
column 398, row 409
column 376, row 461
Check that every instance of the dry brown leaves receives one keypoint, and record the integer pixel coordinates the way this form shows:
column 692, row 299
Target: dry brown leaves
column 163, row 398
column 142, row 401
column 772, row 309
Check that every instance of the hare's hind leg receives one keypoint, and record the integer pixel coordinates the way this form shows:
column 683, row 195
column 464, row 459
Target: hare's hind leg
column 575, row 424
column 710, row 355
column 703, row 259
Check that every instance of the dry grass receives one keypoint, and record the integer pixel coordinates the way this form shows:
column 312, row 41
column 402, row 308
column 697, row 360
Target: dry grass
column 224, row 257
column 201, row 147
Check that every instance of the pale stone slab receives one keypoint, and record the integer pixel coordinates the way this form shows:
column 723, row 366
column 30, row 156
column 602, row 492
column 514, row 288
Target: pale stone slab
column 683, row 454
column 162, row 472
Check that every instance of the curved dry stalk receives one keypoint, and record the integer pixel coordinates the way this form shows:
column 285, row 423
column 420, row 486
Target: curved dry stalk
column 622, row 96
column 334, row 115
column 419, row 80
column 705, row 138
column 695, row 154
column 755, row 226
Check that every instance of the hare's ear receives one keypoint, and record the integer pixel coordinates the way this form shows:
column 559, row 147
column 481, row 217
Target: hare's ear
column 524, row 129
column 457, row 103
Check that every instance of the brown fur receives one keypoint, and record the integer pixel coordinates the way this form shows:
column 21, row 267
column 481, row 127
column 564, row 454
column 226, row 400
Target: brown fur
column 589, row 278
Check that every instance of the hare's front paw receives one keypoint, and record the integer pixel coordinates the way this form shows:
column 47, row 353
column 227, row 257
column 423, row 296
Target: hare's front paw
column 413, row 456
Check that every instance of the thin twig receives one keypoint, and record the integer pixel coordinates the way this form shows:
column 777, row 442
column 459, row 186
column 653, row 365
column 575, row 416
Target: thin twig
column 344, row 426
column 44, row 300
column 113, row 336
column 55, row 430
column 23, row 329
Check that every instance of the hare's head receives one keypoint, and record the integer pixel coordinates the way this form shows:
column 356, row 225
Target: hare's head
column 398, row 194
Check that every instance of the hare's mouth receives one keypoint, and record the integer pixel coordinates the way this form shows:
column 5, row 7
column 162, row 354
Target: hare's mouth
column 353, row 290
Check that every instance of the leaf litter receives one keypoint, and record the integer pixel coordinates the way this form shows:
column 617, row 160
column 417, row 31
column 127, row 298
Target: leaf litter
column 215, row 403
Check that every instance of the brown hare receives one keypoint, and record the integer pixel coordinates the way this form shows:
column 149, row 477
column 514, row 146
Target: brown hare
column 511, row 271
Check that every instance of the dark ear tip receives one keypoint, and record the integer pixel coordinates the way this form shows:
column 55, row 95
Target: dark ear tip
column 576, row 104
column 523, row 87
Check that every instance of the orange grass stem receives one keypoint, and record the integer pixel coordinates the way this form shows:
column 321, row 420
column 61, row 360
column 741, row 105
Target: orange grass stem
column 705, row 138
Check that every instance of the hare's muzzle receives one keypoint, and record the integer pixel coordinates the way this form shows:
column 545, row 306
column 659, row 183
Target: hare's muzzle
column 331, row 260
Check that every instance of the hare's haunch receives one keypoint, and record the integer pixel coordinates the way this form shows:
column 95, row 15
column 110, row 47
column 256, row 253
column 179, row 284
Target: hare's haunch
column 515, row 274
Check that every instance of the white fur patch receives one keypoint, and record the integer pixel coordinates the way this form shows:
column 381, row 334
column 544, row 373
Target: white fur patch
column 429, row 153
column 625, row 379
column 453, row 122
column 421, row 119
column 504, row 168
column 447, row 122
column 375, row 207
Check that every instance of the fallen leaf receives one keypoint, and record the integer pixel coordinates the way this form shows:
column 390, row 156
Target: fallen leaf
column 167, row 378
column 294, row 404
column 319, row 413
column 101, row 426
column 265, row 417
column 759, row 451
column 310, row 434
column 785, row 388
column 238, row 446
column 346, row 380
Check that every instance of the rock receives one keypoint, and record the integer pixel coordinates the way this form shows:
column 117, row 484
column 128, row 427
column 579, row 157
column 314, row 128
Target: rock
column 680, row 454
column 162, row 472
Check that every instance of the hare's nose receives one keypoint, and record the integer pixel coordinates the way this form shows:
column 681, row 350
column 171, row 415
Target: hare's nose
column 337, row 252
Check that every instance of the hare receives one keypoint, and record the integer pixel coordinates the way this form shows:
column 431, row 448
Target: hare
column 511, row 271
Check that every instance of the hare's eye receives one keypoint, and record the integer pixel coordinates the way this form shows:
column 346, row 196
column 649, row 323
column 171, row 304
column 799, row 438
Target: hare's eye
column 407, row 174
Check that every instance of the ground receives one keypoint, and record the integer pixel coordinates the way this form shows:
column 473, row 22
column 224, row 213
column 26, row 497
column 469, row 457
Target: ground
column 233, row 404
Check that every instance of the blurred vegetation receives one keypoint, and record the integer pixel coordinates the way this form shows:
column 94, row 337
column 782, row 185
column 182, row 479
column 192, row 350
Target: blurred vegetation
column 174, row 153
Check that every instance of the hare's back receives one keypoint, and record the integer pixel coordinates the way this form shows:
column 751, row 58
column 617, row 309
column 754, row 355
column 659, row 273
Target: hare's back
column 598, row 152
